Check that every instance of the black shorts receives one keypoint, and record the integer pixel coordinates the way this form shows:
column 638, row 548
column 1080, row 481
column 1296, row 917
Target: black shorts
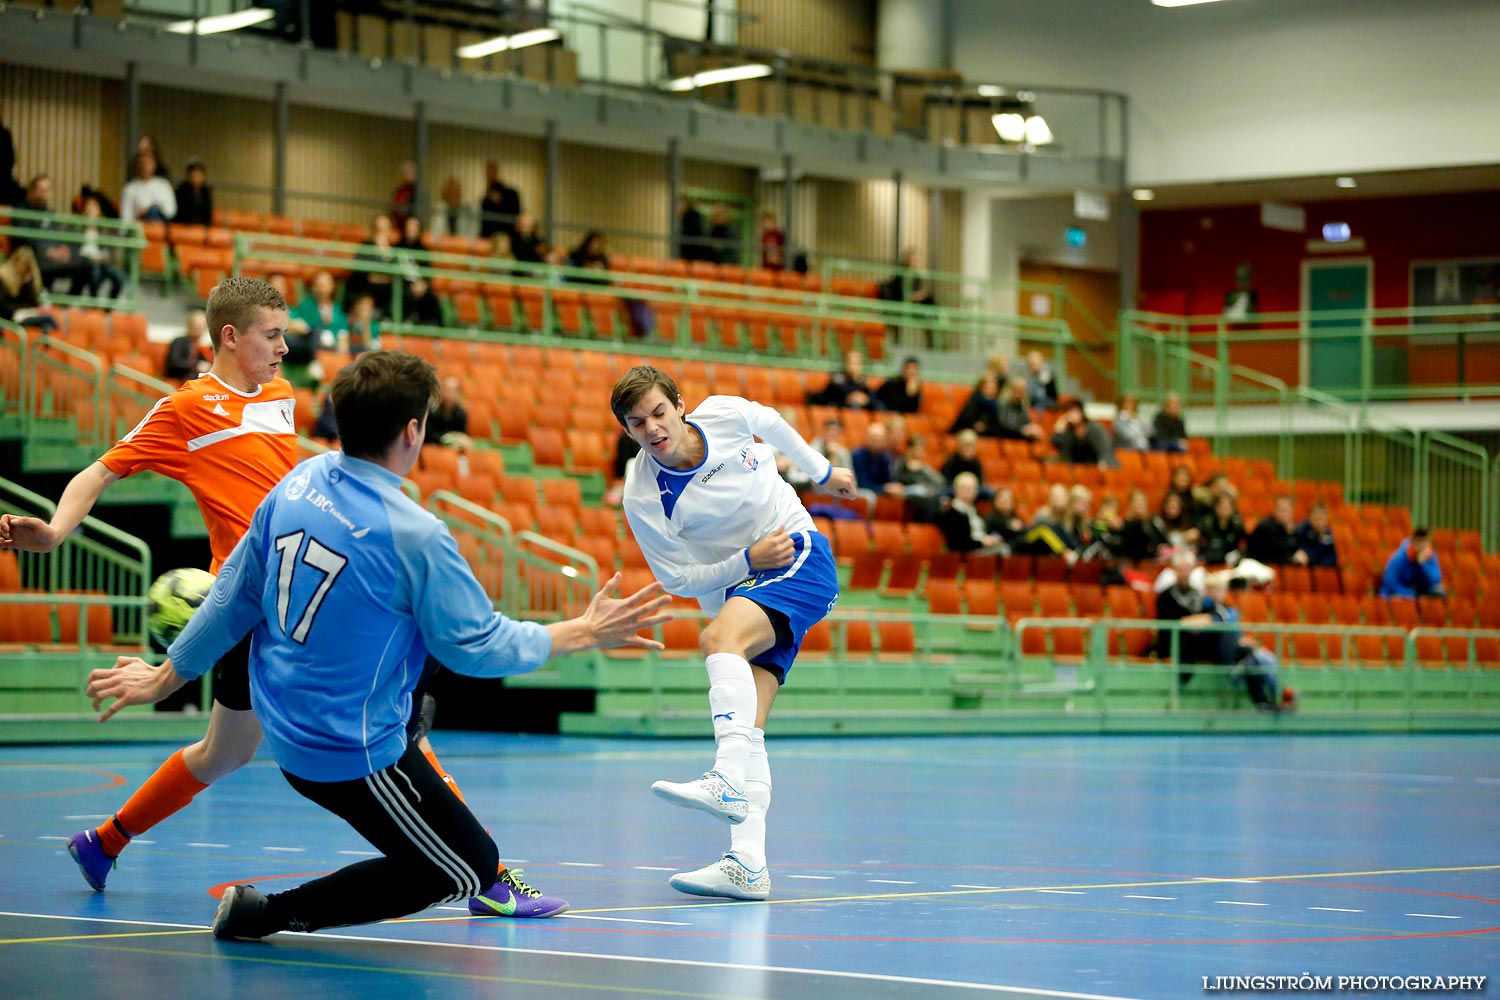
column 232, row 678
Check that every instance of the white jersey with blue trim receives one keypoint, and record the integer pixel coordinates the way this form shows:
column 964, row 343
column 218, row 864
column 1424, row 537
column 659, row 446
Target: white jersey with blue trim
column 695, row 526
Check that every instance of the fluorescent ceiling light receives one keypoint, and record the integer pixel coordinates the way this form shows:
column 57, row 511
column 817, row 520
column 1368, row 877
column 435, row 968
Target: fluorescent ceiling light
column 1345, row 182
column 727, row 74
column 1180, row 3
column 990, row 90
column 502, row 43
column 222, row 22
column 1143, row 194
column 1037, row 132
column 1011, row 126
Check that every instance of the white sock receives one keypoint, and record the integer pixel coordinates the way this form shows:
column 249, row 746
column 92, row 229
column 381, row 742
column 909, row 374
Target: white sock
column 748, row 839
column 731, row 700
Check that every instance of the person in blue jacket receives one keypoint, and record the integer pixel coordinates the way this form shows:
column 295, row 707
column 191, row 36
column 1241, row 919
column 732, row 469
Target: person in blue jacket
column 345, row 585
column 1412, row 570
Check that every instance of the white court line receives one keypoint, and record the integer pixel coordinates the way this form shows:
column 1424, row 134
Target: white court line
column 580, row 864
column 1236, row 902
column 976, row 887
column 1025, row 991
column 461, row 909
column 820, row 878
column 362, row 854
column 626, row 920
column 105, row 816
column 1245, row 881
column 197, row 844
column 1128, row 896
column 888, row 881
column 52, row 838
column 138, row 840
column 285, row 850
column 1062, row 892
column 653, row 868
column 1435, row 916
column 1334, row 909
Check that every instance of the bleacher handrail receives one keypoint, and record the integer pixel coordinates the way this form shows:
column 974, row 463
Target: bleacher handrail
column 95, row 378
column 61, row 227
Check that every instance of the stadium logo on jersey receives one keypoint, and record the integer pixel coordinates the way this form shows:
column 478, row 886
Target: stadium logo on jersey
column 748, row 460
column 297, row 485
column 712, row 472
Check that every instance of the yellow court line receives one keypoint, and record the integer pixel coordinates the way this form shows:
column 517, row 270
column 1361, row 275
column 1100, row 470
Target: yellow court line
column 100, row 937
column 1205, row 880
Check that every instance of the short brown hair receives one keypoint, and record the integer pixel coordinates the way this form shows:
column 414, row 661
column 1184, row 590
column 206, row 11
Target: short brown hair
column 235, row 301
column 376, row 395
column 635, row 384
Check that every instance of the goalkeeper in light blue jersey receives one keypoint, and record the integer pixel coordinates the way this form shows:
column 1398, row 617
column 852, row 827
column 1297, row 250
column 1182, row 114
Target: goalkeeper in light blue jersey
column 345, row 585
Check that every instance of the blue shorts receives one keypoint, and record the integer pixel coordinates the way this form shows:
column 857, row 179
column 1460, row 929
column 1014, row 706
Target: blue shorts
column 795, row 597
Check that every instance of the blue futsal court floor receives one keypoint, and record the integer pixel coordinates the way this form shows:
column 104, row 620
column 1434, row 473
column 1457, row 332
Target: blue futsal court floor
column 1028, row 866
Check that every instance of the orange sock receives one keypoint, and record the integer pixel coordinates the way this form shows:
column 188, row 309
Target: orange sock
column 447, row 778
column 168, row 790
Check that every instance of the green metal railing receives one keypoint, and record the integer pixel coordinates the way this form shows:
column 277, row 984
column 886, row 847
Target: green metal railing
column 812, row 328
column 28, row 225
column 99, row 559
column 1453, row 485
column 66, row 382
column 1388, row 339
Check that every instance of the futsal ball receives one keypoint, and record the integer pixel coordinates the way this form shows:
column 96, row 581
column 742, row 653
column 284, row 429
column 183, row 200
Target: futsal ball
column 173, row 598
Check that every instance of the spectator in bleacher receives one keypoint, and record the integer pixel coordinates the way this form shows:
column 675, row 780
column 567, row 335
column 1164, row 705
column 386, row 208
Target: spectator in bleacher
column 148, row 197
column 847, row 388
column 725, row 242
column 874, row 465
column 1315, row 537
column 590, row 254
column 527, row 244
column 1181, row 483
column 188, row 355
column 1080, row 522
column 448, row 423
column 1168, row 431
column 1080, row 441
column 1412, row 570
column 412, row 236
column 1251, row 664
column 420, row 304
column 21, row 289
column 1051, row 531
column 1041, row 383
column 104, row 271
column 316, row 324
column 965, row 457
column 378, row 249
column 902, row 392
column 11, row 191
column 452, row 197
column 1274, row 540
column 830, row 444
column 1180, row 598
column 1221, row 533
column 148, row 144
column 1143, row 536
column 626, row 448
column 1016, row 421
column 921, row 484
column 404, row 198
column 690, row 232
column 1131, row 432
column 1176, row 520
column 1206, row 496
column 903, row 287
column 501, row 205
column 895, row 425
column 963, row 529
column 1004, row 518
column 1183, row 566
column 772, row 243
column 107, row 208
column 364, row 327
column 326, row 428
column 981, row 411
column 195, row 199
column 1107, row 529
column 55, row 258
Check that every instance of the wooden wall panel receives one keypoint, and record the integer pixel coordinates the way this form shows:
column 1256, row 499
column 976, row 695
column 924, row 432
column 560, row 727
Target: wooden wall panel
column 342, row 166
column 838, row 30
column 58, row 123
column 459, row 152
column 233, row 138
column 613, row 189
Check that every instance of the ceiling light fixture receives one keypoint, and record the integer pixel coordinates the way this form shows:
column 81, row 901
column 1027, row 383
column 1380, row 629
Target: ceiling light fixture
column 727, row 74
column 990, row 90
column 1037, row 132
column 1143, row 194
column 1180, row 3
column 1345, row 182
column 504, row 43
column 217, row 23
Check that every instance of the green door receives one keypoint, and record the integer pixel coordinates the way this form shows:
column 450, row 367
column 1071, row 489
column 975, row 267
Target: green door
column 1333, row 361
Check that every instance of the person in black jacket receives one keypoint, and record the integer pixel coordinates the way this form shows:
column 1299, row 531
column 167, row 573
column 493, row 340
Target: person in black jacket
column 195, row 199
column 1221, row 533
column 1080, row 441
column 902, row 393
column 1142, row 536
column 848, row 388
column 500, row 205
column 1168, row 431
column 1274, row 540
column 1315, row 538
column 981, row 412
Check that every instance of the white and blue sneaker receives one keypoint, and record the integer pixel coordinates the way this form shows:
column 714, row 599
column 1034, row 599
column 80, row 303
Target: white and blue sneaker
column 726, row 877
column 712, row 793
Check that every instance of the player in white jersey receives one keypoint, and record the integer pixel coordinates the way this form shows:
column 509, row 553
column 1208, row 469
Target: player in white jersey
column 717, row 523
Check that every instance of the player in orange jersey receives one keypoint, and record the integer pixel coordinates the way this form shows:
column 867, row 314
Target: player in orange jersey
column 230, row 437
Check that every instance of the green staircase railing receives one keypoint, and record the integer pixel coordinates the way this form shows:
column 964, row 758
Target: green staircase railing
column 28, row 225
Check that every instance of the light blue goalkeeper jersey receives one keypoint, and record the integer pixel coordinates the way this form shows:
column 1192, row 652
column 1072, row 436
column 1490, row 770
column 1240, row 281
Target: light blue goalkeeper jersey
column 348, row 584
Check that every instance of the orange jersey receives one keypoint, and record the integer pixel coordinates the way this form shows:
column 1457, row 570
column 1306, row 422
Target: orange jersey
column 228, row 447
